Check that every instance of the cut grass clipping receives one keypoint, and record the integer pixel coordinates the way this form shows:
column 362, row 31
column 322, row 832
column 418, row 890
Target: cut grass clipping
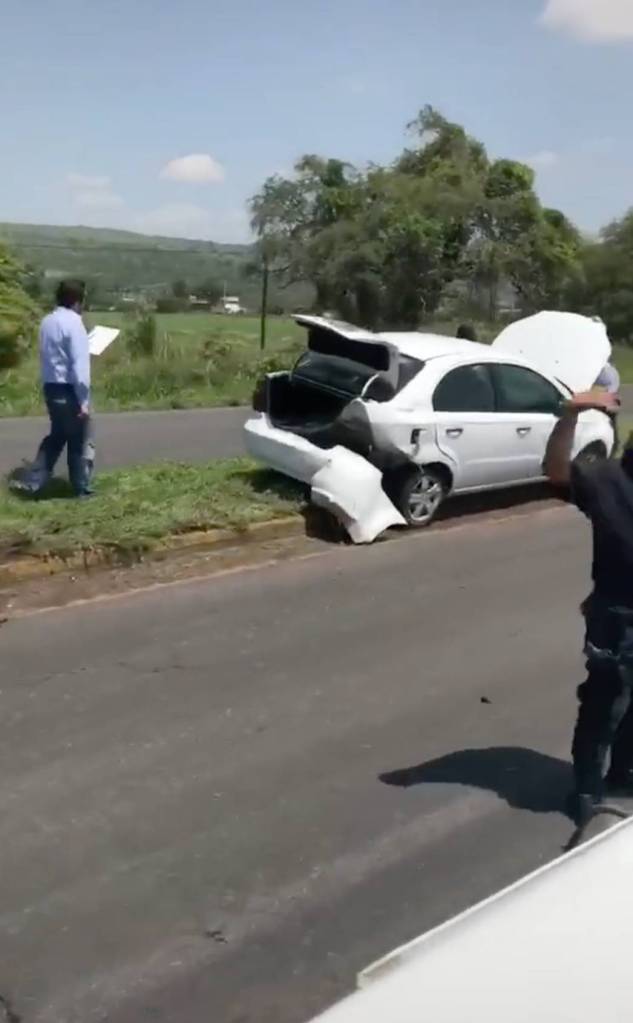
column 134, row 509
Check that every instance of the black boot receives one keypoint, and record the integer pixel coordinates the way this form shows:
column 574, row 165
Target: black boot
column 581, row 807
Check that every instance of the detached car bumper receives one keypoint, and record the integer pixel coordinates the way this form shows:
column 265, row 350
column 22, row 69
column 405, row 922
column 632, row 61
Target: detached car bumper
column 341, row 481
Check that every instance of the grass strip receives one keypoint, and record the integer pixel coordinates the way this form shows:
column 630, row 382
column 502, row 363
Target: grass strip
column 135, row 509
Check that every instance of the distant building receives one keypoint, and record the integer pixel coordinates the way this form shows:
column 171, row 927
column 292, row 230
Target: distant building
column 231, row 304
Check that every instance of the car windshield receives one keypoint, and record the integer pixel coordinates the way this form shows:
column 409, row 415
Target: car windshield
column 346, row 376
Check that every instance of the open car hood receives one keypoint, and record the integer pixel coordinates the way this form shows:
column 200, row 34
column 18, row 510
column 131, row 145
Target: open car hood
column 565, row 346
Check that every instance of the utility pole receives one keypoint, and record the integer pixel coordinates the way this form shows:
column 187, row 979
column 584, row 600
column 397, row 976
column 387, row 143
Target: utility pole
column 264, row 307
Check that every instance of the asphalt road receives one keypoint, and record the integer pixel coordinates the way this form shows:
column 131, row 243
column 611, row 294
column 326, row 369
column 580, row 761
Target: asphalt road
column 131, row 438
column 193, row 824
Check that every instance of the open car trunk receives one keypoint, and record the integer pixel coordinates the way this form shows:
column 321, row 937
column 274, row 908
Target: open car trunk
column 314, row 426
column 341, row 365
column 301, row 408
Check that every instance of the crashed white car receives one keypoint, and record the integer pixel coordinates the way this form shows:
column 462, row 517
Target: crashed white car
column 383, row 427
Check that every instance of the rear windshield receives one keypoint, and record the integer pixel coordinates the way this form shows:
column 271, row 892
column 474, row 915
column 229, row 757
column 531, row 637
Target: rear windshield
column 346, row 376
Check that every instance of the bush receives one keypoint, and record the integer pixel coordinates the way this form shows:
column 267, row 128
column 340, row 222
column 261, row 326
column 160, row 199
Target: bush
column 18, row 313
column 169, row 304
column 141, row 336
column 225, row 358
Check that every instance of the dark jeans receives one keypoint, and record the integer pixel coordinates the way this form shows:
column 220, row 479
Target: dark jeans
column 70, row 430
column 605, row 718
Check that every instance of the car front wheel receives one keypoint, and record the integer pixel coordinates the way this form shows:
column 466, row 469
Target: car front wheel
column 419, row 496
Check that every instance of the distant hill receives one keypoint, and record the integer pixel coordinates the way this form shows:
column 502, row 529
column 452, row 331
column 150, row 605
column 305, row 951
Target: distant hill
column 122, row 258
column 116, row 262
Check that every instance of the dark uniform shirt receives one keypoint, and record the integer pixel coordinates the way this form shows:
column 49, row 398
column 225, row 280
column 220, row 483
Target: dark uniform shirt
column 603, row 491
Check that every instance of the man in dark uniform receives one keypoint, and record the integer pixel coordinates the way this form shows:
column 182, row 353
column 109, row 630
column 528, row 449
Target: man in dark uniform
column 603, row 491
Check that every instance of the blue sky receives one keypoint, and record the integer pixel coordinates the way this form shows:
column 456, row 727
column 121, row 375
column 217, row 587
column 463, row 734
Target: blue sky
column 100, row 100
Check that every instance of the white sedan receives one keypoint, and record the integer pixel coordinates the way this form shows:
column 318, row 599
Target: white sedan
column 383, row 427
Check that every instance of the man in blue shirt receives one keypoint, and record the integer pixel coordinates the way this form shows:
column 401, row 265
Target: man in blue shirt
column 65, row 369
column 609, row 379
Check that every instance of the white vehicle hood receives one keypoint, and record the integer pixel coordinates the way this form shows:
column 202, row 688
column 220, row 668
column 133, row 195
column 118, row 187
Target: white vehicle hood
column 565, row 346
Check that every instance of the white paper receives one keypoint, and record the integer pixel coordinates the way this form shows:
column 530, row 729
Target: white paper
column 101, row 338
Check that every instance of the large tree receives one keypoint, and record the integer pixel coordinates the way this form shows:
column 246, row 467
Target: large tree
column 380, row 246
column 606, row 286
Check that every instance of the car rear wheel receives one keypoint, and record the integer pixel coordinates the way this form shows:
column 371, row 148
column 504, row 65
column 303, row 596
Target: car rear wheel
column 419, row 496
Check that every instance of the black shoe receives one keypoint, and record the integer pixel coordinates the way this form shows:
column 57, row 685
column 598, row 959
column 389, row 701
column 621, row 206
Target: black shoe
column 581, row 807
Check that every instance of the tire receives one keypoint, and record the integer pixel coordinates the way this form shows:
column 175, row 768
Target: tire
column 592, row 453
column 418, row 495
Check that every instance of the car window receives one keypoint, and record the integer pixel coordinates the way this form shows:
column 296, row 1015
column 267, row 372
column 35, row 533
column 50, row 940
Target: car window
column 350, row 378
column 466, row 389
column 523, row 390
column 341, row 375
column 408, row 368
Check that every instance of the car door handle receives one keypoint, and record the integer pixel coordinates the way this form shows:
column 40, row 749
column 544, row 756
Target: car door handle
column 524, row 430
column 454, row 432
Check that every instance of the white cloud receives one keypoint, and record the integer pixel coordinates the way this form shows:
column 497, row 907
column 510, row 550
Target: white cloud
column 591, row 20
column 544, row 160
column 195, row 169
column 95, row 203
column 93, row 192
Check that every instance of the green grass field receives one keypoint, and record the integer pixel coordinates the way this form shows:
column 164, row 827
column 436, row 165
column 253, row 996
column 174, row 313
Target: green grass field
column 135, row 508
column 189, row 329
column 201, row 360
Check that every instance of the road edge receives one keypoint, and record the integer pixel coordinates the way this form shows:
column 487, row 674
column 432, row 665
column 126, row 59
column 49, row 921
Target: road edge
column 27, row 567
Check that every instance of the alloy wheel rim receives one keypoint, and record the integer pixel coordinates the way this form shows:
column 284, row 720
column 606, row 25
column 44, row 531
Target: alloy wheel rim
column 424, row 499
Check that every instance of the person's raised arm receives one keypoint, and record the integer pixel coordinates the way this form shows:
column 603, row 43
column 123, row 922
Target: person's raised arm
column 559, row 449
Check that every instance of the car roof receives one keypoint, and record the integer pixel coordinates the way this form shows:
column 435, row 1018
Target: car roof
column 432, row 346
column 559, row 345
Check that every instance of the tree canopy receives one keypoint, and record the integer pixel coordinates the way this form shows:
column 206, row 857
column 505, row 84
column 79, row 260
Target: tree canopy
column 605, row 284
column 381, row 245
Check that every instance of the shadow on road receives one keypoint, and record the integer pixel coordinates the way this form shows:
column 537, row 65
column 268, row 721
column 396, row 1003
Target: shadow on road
column 524, row 778
column 496, row 500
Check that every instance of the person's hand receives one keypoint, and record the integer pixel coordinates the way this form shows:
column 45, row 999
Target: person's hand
column 84, row 411
column 594, row 399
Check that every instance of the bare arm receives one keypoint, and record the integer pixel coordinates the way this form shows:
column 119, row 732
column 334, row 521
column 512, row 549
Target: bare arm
column 559, row 448
column 561, row 442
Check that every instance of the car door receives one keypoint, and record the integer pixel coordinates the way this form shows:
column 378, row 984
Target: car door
column 527, row 405
column 468, row 430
